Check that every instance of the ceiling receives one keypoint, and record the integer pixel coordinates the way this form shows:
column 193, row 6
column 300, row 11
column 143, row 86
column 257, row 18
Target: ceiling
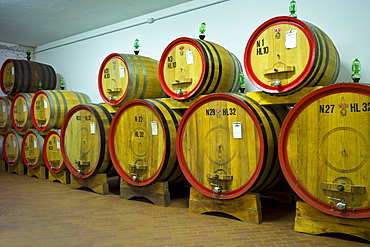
column 37, row 22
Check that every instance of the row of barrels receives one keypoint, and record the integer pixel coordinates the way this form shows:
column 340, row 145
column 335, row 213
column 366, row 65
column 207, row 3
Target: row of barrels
column 225, row 145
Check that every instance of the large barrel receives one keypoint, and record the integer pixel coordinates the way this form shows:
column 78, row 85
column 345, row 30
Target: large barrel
column 84, row 140
column 285, row 54
column 22, row 76
column 227, row 145
column 192, row 67
column 53, row 153
column 324, row 150
column 12, row 147
column 20, row 113
column 49, row 107
column 142, row 142
column 5, row 119
column 32, row 146
column 124, row 77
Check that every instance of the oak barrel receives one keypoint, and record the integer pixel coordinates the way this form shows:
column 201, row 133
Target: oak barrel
column 124, row 77
column 53, row 153
column 22, row 76
column 285, row 54
column 192, row 67
column 324, row 150
column 32, row 147
column 227, row 145
column 84, row 140
column 5, row 109
column 142, row 142
column 20, row 113
column 49, row 107
column 12, row 147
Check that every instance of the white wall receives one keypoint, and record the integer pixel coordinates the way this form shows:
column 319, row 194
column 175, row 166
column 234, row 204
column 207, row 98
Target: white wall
column 229, row 24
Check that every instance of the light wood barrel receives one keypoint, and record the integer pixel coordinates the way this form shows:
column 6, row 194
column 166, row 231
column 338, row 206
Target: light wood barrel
column 53, row 153
column 1, row 147
column 22, row 76
column 20, row 113
column 142, row 143
column 12, row 147
column 192, row 67
column 49, row 107
column 227, row 145
column 324, row 150
column 124, row 77
column 5, row 119
column 32, row 146
column 284, row 54
column 84, row 140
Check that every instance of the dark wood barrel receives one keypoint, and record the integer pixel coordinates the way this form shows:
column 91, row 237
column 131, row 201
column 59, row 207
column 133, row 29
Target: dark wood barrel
column 53, row 153
column 142, row 142
column 324, row 150
column 20, row 113
column 12, row 147
column 84, row 140
column 192, row 67
column 124, row 77
column 49, row 107
column 5, row 118
column 22, row 76
column 285, row 54
column 32, row 146
column 227, row 145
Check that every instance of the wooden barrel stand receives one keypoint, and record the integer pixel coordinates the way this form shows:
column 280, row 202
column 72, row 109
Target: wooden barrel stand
column 63, row 177
column 18, row 168
column 3, row 166
column 158, row 192
column 39, row 172
column 312, row 221
column 97, row 183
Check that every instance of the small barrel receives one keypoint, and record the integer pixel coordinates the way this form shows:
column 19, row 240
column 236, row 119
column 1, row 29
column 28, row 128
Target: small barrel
column 285, row 54
column 227, row 145
column 22, row 76
column 5, row 119
column 12, row 147
column 324, row 150
column 142, row 142
column 32, row 146
column 84, row 140
column 192, row 67
column 49, row 107
column 124, row 77
column 20, row 113
column 53, row 153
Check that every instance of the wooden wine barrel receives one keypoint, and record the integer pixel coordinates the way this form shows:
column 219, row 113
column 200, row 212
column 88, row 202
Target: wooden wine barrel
column 49, row 107
column 53, row 153
column 84, row 140
column 32, row 146
column 20, row 113
column 5, row 119
column 324, row 150
column 192, row 67
column 285, row 54
column 227, row 145
column 142, row 143
column 12, row 147
column 22, row 76
column 124, row 77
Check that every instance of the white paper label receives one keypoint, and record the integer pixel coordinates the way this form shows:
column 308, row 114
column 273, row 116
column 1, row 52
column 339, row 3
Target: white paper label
column 12, row 70
column 92, row 127
column 14, row 143
column 291, row 39
column 189, row 57
column 24, row 107
column 154, row 128
column 237, row 130
column 122, row 72
column 4, row 109
column 34, row 143
column 58, row 143
column 45, row 103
